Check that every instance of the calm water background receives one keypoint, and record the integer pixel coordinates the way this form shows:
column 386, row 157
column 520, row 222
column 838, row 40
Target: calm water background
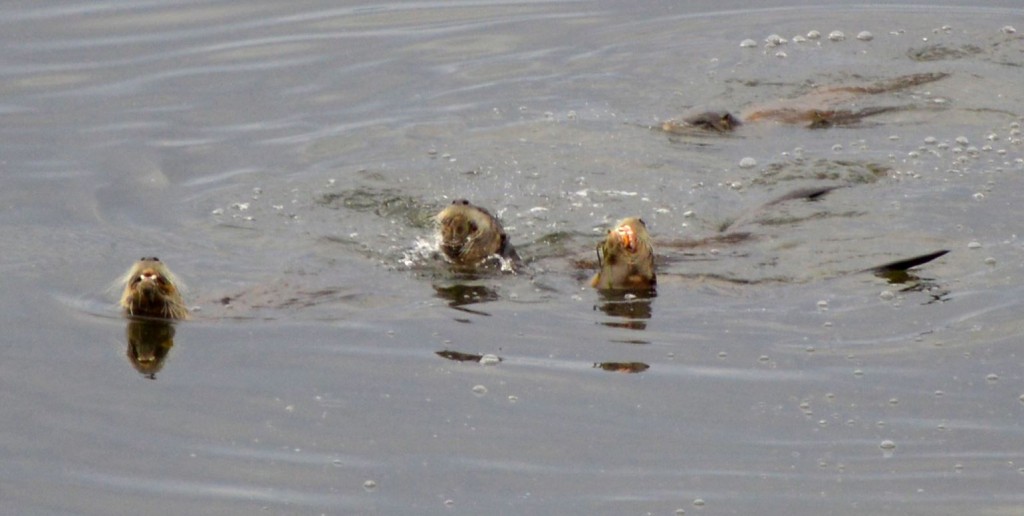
column 286, row 156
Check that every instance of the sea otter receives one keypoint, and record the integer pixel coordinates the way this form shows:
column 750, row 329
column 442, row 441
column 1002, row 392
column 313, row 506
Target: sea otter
column 626, row 258
column 152, row 290
column 470, row 235
column 819, row 108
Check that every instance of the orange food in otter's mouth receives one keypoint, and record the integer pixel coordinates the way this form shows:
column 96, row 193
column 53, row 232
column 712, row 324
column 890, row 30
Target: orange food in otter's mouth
column 627, row 236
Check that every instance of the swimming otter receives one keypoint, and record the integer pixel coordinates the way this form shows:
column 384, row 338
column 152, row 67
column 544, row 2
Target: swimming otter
column 626, row 257
column 818, row 108
column 470, row 234
column 152, row 290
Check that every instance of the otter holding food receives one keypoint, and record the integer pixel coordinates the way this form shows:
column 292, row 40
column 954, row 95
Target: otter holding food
column 152, row 290
column 626, row 257
column 470, row 235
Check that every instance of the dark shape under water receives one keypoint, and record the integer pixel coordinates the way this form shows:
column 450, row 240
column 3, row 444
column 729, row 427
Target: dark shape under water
column 459, row 356
column 622, row 367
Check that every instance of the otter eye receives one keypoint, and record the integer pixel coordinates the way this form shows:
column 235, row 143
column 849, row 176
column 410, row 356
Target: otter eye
column 644, row 224
column 462, row 202
column 155, row 259
column 472, row 227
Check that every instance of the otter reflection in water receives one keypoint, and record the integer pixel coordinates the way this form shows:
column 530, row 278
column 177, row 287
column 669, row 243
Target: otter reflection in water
column 470, row 235
column 152, row 290
column 149, row 341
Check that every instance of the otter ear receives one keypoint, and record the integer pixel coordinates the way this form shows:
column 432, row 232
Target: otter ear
column 642, row 223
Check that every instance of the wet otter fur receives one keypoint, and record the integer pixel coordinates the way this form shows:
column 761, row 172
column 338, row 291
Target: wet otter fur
column 470, row 235
column 152, row 290
column 626, row 258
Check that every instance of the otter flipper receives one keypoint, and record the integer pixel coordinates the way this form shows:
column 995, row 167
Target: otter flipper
column 903, row 265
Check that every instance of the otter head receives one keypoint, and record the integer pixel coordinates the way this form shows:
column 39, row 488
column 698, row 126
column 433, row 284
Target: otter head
column 469, row 234
column 626, row 257
column 152, row 290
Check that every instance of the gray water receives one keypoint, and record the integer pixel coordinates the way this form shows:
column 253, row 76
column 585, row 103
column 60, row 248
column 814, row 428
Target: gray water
column 284, row 159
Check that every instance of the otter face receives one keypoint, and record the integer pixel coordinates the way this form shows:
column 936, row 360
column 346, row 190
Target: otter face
column 151, row 290
column 469, row 234
column 626, row 257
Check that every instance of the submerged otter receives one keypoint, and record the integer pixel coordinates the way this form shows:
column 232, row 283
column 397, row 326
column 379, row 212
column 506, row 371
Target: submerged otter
column 152, row 290
column 626, row 257
column 470, row 235
column 819, row 108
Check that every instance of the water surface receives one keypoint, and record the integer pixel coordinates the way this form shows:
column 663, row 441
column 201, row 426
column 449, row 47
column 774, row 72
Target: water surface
column 285, row 160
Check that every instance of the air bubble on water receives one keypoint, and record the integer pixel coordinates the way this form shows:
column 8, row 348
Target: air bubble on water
column 449, row 502
column 748, row 43
column 813, row 35
column 887, row 295
column 858, row 373
column 837, row 147
column 780, row 54
column 865, row 36
column 836, row 35
column 479, row 390
column 748, row 162
column 763, row 358
column 799, row 39
column 723, row 354
column 931, row 140
column 775, row 40
column 370, row 485
column 680, row 512
column 887, row 445
column 992, row 378
column 489, row 360
column 894, row 401
column 513, row 398
column 978, row 196
column 974, row 245
column 699, row 502
column 1008, row 29
column 822, row 305
column 962, row 140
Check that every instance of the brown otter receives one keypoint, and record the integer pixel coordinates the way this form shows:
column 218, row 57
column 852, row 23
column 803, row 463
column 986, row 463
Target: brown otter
column 816, row 109
column 152, row 290
column 470, row 235
column 626, row 258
